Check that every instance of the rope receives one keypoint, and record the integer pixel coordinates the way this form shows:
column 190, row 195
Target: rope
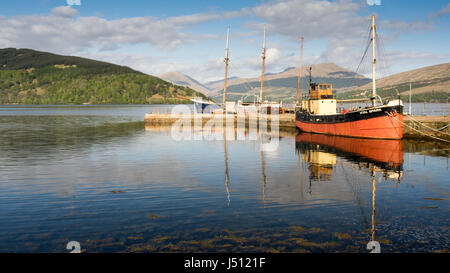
column 382, row 56
column 441, row 139
column 356, row 189
column 362, row 59
column 369, row 42
column 437, row 130
column 440, row 129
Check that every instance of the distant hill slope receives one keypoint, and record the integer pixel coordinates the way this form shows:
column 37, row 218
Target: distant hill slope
column 34, row 77
column 213, row 85
column 179, row 78
column 431, row 83
column 283, row 86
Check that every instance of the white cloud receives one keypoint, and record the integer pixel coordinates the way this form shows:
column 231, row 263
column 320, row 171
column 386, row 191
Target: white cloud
column 273, row 55
column 62, row 32
column 336, row 22
column 210, row 69
column 311, row 19
column 65, row 11
column 339, row 23
column 444, row 11
column 411, row 57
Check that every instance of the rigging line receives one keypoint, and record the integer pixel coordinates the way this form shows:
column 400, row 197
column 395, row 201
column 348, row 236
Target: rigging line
column 441, row 139
column 247, row 88
column 268, row 84
column 364, row 55
column 356, row 189
column 251, row 89
column 368, row 42
column 381, row 52
column 364, row 68
column 425, row 126
column 385, row 60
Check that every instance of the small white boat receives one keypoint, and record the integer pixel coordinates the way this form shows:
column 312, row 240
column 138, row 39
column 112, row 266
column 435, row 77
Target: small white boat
column 200, row 105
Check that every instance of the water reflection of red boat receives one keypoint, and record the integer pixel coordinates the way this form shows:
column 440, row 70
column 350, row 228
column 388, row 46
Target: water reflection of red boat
column 387, row 152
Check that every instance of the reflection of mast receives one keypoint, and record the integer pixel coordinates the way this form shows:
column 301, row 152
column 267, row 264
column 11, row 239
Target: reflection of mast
column 263, row 168
column 227, row 175
column 226, row 71
column 263, row 62
column 310, row 189
column 300, row 175
column 373, row 205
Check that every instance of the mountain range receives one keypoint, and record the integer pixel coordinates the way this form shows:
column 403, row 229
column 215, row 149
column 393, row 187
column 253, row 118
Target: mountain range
column 431, row 83
column 33, row 77
column 179, row 78
column 282, row 85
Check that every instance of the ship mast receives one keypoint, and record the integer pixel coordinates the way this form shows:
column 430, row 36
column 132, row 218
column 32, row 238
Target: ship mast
column 300, row 70
column 227, row 59
column 374, row 60
column 263, row 62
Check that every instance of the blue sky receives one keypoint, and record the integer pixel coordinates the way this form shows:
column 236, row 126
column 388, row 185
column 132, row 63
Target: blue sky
column 160, row 36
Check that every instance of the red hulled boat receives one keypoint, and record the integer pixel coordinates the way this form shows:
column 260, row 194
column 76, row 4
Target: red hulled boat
column 381, row 122
column 318, row 113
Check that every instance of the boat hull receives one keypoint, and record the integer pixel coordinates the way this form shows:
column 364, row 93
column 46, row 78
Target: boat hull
column 384, row 122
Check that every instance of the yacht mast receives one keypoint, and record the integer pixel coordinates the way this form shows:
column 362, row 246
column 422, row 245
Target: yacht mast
column 227, row 59
column 300, row 70
column 374, row 60
column 263, row 62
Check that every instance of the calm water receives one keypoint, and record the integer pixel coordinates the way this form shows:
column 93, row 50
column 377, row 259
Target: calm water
column 98, row 176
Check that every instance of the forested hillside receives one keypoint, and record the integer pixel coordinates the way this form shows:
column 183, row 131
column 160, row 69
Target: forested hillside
column 33, row 77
